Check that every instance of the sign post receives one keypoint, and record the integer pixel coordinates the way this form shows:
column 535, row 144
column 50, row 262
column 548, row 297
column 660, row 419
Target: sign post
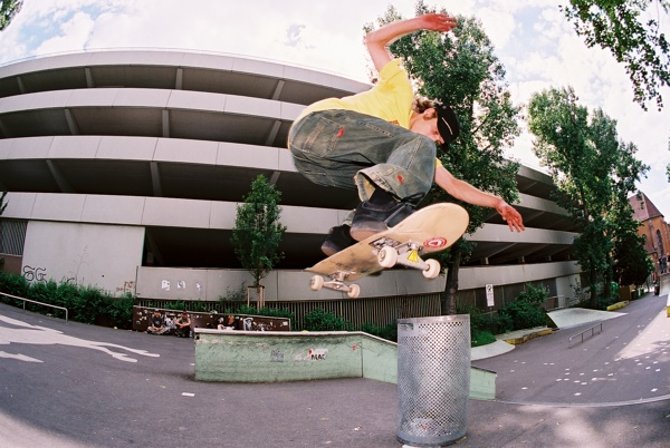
column 490, row 300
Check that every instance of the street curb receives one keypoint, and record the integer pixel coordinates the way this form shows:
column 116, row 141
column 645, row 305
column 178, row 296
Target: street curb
column 618, row 305
column 529, row 336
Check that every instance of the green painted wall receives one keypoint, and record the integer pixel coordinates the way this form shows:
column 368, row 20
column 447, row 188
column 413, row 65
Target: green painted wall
column 241, row 356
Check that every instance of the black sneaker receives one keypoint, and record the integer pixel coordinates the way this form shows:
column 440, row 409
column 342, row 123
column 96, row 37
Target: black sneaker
column 370, row 219
column 338, row 239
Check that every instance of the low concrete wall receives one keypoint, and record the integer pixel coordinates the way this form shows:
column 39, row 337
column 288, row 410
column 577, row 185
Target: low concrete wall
column 242, row 356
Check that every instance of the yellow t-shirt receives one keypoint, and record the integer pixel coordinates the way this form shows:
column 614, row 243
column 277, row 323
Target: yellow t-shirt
column 390, row 99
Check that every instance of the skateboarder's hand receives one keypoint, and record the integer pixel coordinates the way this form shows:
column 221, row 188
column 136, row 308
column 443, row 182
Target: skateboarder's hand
column 378, row 40
column 438, row 22
column 511, row 216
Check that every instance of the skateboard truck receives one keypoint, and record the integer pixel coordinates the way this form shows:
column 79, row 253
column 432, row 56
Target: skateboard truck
column 336, row 282
column 389, row 253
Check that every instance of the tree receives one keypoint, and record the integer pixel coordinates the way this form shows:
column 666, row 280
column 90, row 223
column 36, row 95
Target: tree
column 632, row 264
column 594, row 173
column 258, row 231
column 8, row 9
column 460, row 68
column 634, row 41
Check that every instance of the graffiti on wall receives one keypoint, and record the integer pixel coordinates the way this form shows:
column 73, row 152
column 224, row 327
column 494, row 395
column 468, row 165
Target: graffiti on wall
column 317, row 354
column 188, row 290
column 128, row 287
column 34, row 274
column 276, row 356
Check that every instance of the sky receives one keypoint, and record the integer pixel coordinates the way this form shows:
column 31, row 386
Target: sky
column 536, row 44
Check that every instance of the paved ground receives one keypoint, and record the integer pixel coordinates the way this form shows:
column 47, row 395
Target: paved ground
column 627, row 360
column 77, row 386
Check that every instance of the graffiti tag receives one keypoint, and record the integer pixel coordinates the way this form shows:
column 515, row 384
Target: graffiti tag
column 30, row 273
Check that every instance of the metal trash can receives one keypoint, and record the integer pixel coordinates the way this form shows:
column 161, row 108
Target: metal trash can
column 433, row 379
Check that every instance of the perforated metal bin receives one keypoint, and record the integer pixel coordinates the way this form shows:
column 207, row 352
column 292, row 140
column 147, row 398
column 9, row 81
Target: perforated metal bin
column 433, row 379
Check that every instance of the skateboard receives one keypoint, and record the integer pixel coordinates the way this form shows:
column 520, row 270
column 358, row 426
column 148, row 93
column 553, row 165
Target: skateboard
column 428, row 230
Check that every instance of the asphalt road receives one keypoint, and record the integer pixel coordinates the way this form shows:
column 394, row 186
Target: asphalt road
column 75, row 385
column 626, row 361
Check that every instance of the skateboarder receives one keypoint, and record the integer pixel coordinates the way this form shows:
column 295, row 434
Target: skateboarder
column 383, row 143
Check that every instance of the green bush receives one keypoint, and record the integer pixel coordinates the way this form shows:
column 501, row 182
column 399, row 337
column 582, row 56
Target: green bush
column 13, row 284
column 481, row 337
column 526, row 311
column 119, row 311
column 388, row 332
column 89, row 304
column 84, row 304
column 45, row 292
column 265, row 311
column 321, row 320
column 601, row 303
column 484, row 325
column 494, row 323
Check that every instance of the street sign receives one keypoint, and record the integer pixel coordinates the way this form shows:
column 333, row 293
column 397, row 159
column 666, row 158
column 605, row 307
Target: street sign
column 490, row 300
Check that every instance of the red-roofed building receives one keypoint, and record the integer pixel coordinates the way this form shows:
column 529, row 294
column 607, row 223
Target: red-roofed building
column 654, row 229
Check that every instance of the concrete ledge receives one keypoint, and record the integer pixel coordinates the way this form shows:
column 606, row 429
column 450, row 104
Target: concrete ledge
column 667, row 307
column 618, row 305
column 248, row 357
column 519, row 337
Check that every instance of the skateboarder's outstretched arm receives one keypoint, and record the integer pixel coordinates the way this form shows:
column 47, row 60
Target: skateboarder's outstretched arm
column 472, row 195
column 377, row 41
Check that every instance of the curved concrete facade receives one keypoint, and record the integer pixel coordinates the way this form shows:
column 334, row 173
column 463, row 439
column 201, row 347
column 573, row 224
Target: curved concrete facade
column 124, row 170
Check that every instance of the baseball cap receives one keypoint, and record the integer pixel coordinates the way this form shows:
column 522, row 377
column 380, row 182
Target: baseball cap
column 447, row 123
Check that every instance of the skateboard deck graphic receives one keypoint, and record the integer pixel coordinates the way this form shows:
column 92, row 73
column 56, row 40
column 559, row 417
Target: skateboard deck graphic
column 430, row 229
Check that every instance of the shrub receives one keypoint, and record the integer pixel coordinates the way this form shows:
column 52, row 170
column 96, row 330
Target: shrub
column 45, row 292
column 601, row 303
column 85, row 304
column 321, row 320
column 484, row 325
column 388, row 332
column 481, row 337
column 178, row 305
column 494, row 323
column 119, row 311
column 89, row 304
column 13, row 284
column 265, row 311
column 526, row 311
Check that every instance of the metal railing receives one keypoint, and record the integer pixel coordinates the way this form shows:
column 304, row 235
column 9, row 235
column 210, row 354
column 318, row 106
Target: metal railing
column 591, row 330
column 36, row 302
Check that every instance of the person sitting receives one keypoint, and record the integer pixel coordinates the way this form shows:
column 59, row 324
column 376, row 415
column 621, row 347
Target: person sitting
column 227, row 324
column 183, row 325
column 157, row 323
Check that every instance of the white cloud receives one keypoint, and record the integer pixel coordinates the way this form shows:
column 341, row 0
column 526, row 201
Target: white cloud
column 73, row 33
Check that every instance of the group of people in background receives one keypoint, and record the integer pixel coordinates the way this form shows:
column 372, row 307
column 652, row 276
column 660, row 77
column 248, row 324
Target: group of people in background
column 160, row 324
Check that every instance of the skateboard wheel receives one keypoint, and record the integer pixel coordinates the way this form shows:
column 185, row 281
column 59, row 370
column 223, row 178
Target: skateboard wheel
column 316, row 283
column 354, row 291
column 432, row 270
column 387, row 257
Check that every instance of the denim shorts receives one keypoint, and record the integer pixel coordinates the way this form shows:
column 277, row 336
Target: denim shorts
column 346, row 149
